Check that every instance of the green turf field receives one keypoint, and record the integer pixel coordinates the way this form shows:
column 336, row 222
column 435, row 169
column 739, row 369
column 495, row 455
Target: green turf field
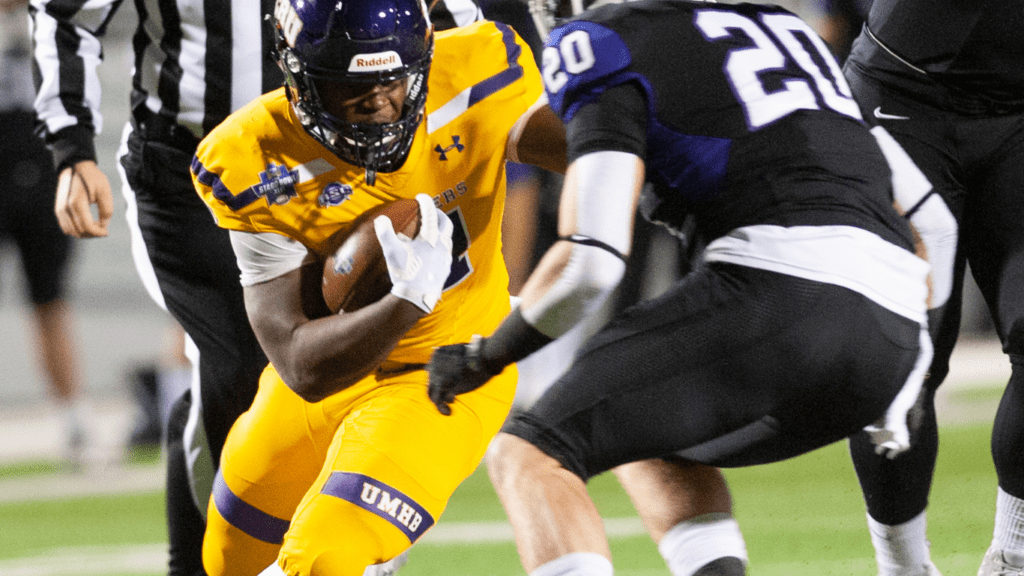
column 804, row 516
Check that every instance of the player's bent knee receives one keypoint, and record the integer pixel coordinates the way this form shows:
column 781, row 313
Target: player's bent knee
column 510, row 457
column 501, row 458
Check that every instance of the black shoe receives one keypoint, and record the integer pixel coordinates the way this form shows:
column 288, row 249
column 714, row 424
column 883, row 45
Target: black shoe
column 727, row 566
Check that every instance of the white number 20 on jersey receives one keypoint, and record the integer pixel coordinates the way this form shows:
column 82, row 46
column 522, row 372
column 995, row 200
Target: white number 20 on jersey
column 743, row 66
column 575, row 55
column 574, row 51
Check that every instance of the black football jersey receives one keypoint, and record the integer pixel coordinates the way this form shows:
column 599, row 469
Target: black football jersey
column 750, row 120
column 976, row 45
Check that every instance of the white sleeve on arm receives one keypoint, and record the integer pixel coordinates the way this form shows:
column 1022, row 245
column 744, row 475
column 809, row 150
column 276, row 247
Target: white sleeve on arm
column 606, row 184
column 263, row 256
column 930, row 216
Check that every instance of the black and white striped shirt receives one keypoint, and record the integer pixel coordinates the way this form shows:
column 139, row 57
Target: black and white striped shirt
column 195, row 61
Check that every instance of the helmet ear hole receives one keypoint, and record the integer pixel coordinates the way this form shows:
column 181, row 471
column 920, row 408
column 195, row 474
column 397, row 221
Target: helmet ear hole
column 376, row 41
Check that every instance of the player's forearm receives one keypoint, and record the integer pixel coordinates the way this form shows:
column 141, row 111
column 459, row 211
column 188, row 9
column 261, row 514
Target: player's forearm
column 579, row 272
column 933, row 225
column 570, row 283
column 327, row 355
column 538, row 138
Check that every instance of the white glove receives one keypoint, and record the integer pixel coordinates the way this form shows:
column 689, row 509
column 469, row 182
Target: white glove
column 418, row 266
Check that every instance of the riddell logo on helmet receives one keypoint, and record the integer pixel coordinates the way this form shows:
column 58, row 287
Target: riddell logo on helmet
column 374, row 62
column 288, row 21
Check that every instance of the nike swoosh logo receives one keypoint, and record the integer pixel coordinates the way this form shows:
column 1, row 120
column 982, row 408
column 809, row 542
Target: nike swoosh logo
column 883, row 116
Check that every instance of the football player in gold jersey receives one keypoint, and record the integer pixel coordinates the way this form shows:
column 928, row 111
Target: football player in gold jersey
column 342, row 462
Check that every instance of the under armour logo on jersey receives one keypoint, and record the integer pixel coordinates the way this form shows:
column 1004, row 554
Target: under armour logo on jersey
column 334, row 194
column 383, row 500
column 277, row 184
column 444, row 151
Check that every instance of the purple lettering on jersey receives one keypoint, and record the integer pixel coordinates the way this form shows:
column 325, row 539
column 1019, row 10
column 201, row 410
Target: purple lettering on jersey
column 245, row 516
column 383, row 500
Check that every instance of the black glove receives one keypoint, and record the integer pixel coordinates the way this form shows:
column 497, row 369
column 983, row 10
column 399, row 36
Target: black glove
column 455, row 370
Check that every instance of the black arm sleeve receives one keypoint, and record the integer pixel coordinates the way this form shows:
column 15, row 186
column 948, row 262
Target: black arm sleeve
column 514, row 340
column 616, row 121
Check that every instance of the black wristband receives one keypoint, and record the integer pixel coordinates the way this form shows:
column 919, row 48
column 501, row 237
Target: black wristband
column 514, row 340
column 72, row 145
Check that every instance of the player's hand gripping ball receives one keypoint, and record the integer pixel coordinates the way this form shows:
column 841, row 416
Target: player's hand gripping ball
column 420, row 265
column 356, row 273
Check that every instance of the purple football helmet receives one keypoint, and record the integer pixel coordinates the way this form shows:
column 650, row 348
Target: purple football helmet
column 359, row 41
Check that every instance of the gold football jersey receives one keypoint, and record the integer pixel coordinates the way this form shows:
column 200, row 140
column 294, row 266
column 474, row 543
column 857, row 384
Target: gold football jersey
column 259, row 171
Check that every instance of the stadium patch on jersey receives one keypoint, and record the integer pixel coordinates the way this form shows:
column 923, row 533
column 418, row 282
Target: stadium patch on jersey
column 245, row 516
column 277, row 184
column 455, row 145
column 463, row 100
column 373, row 62
column 334, row 194
column 383, row 500
column 274, row 182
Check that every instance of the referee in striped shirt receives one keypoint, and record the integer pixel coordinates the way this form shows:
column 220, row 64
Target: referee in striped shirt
column 195, row 62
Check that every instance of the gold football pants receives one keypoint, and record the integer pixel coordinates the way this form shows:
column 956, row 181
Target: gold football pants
column 334, row 486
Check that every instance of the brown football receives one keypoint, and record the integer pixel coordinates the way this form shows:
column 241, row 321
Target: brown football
column 355, row 273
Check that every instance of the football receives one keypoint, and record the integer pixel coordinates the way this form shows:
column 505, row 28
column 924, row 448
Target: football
column 355, row 273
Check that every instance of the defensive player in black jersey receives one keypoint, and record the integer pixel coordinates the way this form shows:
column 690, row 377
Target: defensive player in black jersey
column 803, row 322
column 946, row 79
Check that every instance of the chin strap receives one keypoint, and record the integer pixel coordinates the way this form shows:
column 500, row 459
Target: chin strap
column 371, row 174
